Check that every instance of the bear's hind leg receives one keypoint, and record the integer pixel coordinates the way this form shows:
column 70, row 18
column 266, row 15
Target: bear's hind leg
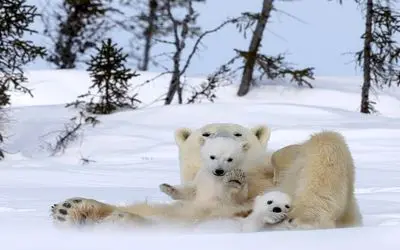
column 122, row 218
column 81, row 211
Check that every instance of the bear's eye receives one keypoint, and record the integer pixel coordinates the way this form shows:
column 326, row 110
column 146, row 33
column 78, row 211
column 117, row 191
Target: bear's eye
column 206, row 134
column 212, row 157
column 229, row 159
column 269, row 202
column 237, row 134
column 287, row 206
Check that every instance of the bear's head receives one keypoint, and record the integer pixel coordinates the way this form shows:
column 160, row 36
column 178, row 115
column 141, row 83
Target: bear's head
column 272, row 202
column 220, row 155
column 188, row 143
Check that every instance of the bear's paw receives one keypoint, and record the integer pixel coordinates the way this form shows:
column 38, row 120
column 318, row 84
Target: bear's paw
column 79, row 211
column 235, row 178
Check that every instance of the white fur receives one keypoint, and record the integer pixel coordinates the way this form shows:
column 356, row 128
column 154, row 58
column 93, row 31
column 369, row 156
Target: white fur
column 269, row 209
column 320, row 180
column 189, row 144
column 318, row 174
column 222, row 153
column 256, row 163
column 222, row 160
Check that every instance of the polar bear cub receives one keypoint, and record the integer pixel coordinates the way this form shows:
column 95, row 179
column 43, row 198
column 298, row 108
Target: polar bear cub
column 220, row 178
column 269, row 210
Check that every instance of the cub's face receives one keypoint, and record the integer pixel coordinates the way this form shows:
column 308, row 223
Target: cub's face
column 273, row 202
column 220, row 154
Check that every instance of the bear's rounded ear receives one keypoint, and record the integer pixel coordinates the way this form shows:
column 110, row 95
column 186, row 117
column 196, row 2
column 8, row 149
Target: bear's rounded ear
column 263, row 133
column 245, row 146
column 181, row 135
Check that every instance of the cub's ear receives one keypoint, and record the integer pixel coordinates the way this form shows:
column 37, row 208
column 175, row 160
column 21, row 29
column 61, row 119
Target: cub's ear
column 245, row 146
column 263, row 133
column 181, row 135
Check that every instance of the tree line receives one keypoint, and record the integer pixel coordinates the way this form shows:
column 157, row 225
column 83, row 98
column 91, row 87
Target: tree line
column 78, row 28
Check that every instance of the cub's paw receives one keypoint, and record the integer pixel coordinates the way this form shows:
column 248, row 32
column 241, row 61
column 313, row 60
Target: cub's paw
column 171, row 191
column 291, row 224
column 79, row 211
column 288, row 223
column 273, row 218
column 304, row 224
column 235, row 178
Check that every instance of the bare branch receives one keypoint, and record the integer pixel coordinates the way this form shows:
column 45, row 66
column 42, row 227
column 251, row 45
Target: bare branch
column 137, row 87
column 163, row 41
column 194, row 49
column 70, row 133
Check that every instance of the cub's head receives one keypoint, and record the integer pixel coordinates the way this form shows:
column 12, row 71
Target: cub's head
column 272, row 202
column 222, row 154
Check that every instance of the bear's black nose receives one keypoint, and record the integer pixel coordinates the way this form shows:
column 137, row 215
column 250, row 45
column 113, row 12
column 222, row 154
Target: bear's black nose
column 276, row 210
column 219, row 172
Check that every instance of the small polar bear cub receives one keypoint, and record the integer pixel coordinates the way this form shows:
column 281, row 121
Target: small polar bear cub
column 222, row 154
column 269, row 209
column 220, row 177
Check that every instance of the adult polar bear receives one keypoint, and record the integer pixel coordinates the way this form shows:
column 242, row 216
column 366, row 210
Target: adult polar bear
column 318, row 174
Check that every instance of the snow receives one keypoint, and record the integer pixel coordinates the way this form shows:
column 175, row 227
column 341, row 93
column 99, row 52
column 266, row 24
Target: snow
column 134, row 151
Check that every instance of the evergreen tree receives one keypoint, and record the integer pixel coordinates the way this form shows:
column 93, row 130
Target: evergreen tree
column 110, row 79
column 15, row 18
column 81, row 24
column 15, row 52
column 380, row 55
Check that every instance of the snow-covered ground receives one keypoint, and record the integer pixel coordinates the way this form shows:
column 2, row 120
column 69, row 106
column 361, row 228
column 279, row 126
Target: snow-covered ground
column 134, row 151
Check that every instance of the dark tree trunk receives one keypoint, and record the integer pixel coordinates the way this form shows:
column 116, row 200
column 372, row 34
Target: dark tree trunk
column 179, row 42
column 149, row 34
column 247, row 76
column 175, row 85
column 365, row 103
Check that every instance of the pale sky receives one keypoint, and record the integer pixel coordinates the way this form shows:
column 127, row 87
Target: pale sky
column 320, row 39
